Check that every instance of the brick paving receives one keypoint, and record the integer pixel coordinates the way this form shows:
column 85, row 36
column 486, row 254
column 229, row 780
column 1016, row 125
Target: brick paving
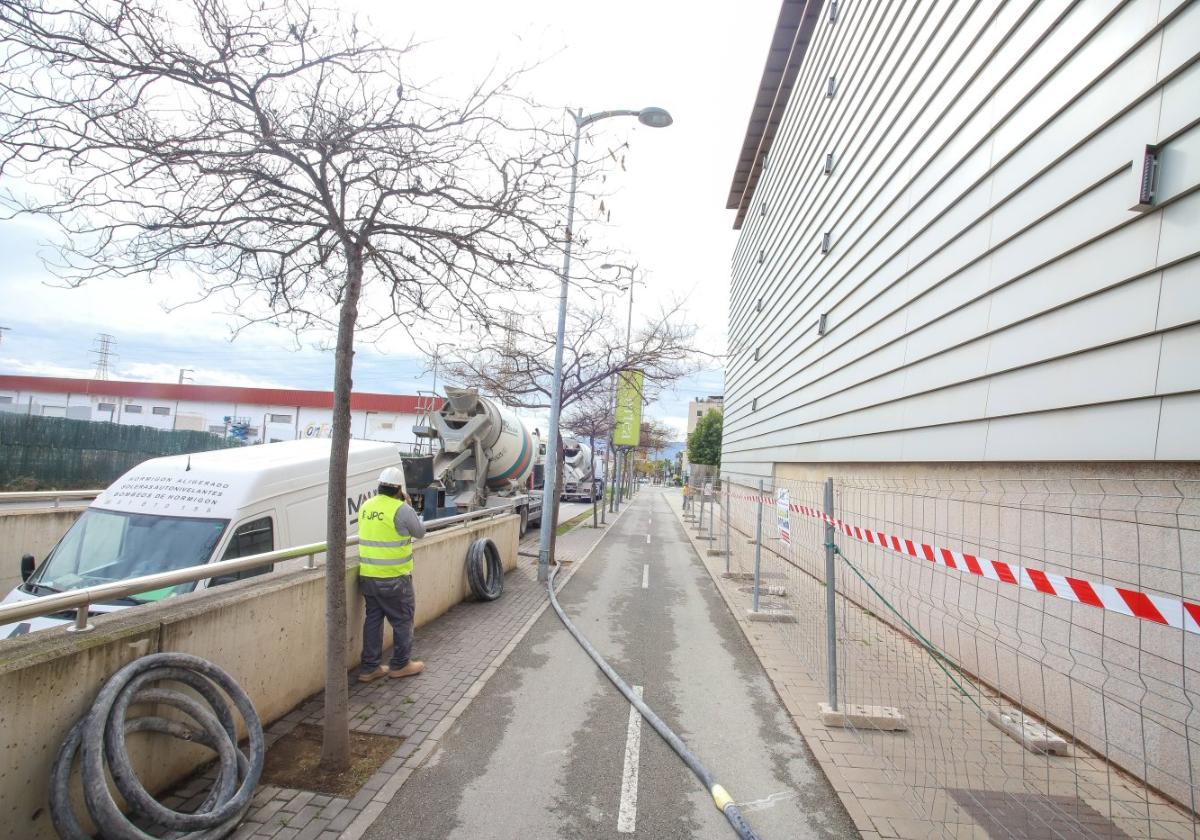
column 461, row 649
column 952, row 774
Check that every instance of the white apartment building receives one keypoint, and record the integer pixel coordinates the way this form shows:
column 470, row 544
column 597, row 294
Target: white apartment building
column 969, row 269
column 262, row 415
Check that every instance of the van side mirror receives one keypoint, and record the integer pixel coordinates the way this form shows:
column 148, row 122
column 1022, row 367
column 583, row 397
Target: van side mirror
column 27, row 563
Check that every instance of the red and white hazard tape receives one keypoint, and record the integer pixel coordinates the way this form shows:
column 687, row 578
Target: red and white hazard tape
column 1182, row 615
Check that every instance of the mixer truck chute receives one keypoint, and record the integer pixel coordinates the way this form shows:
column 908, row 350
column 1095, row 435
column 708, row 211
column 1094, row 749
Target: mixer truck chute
column 484, row 457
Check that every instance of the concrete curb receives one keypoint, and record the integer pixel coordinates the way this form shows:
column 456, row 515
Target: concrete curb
column 366, row 818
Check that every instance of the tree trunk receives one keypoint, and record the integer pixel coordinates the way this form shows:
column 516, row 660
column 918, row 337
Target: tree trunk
column 595, row 510
column 335, row 742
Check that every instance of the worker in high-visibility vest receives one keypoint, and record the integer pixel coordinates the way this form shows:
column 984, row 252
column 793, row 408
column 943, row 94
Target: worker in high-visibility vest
column 386, row 528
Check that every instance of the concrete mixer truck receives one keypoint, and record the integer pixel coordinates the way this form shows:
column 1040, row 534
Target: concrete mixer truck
column 484, row 456
column 580, row 483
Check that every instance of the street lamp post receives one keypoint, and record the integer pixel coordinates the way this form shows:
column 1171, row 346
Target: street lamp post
column 655, row 118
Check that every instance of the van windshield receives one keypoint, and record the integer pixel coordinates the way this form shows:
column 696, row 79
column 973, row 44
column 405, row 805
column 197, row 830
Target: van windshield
column 105, row 546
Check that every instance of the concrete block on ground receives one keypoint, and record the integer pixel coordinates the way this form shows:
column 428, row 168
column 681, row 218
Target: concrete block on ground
column 775, row 591
column 717, row 552
column 1029, row 733
column 738, row 575
column 853, row 715
column 770, row 615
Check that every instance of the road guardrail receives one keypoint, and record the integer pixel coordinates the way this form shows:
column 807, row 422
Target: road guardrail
column 54, row 496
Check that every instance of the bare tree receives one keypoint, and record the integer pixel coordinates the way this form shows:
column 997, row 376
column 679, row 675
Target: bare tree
column 515, row 360
column 591, row 417
column 283, row 156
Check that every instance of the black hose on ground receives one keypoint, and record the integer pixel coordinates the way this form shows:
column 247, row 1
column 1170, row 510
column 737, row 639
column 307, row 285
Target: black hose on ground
column 721, row 797
column 99, row 738
column 485, row 572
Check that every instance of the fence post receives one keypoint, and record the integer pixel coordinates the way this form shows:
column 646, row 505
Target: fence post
column 700, row 521
column 758, row 545
column 728, row 545
column 830, row 599
column 712, row 517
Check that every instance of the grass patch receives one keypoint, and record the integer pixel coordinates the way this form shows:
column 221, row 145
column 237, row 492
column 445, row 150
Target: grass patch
column 571, row 523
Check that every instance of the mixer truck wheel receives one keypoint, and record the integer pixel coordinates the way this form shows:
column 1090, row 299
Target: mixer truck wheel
column 485, row 572
column 524, row 520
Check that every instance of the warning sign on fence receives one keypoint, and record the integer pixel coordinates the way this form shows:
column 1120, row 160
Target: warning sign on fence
column 783, row 513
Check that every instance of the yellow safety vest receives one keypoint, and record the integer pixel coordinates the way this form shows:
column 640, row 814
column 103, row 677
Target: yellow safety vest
column 382, row 551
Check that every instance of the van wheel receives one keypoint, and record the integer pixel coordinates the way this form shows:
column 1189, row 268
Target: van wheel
column 524, row 520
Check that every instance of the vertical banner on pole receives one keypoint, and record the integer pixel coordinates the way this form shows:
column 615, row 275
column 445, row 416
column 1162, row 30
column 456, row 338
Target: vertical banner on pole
column 783, row 514
column 628, row 431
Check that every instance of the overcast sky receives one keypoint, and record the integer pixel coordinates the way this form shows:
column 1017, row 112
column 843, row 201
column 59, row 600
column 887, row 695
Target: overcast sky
column 700, row 61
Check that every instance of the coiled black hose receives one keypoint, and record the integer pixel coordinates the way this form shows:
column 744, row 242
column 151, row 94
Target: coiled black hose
column 99, row 738
column 721, row 797
column 485, row 572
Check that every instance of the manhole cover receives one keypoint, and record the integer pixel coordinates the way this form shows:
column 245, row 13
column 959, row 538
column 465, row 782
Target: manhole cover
column 1033, row 816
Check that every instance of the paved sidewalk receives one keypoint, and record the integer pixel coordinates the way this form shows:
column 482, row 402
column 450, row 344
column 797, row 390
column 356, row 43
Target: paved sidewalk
column 462, row 650
column 952, row 774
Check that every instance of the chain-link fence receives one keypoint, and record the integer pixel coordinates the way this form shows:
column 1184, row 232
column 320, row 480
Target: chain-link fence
column 1034, row 642
column 58, row 453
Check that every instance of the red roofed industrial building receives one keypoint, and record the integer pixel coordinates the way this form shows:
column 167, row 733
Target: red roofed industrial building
column 263, row 414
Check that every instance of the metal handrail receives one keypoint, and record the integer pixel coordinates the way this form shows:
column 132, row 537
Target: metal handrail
column 81, row 599
column 48, row 496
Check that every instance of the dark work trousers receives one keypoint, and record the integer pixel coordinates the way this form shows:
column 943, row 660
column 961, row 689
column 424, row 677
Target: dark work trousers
column 393, row 598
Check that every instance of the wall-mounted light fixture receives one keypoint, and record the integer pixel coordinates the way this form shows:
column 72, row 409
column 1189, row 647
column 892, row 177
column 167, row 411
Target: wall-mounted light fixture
column 823, row 324
column 831, row 88
column 826, row 242
column 828, row 163
column 1145, row 170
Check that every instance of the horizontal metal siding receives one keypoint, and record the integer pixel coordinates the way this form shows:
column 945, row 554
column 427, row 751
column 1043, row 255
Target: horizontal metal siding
column 1001, row 218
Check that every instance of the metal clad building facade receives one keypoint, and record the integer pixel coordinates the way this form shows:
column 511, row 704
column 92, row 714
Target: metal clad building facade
column 950, row 295
column 939, row 261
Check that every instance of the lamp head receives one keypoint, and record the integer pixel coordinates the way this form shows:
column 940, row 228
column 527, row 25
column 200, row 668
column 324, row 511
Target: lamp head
column 654, row 117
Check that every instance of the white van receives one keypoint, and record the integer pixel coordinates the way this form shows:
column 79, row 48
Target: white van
column 186, row 510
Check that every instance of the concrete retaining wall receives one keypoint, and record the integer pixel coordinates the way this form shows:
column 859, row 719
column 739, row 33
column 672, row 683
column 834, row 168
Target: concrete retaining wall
column 268, row 633
column 29, row 532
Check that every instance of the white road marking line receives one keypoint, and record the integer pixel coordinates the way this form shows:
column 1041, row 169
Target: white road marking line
column 646, row 576
column 627, row 814
column 647, row 539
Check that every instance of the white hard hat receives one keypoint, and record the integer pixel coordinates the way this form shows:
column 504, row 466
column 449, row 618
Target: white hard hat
column 392, row 477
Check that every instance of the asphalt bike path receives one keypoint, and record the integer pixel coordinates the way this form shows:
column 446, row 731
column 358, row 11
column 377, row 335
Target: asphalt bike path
column 549, row 748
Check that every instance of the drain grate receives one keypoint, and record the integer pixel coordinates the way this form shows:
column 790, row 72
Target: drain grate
column 1033, row 816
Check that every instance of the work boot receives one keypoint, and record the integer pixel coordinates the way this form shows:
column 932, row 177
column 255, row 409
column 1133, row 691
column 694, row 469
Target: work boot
column 410, row 670
column 371, row 676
